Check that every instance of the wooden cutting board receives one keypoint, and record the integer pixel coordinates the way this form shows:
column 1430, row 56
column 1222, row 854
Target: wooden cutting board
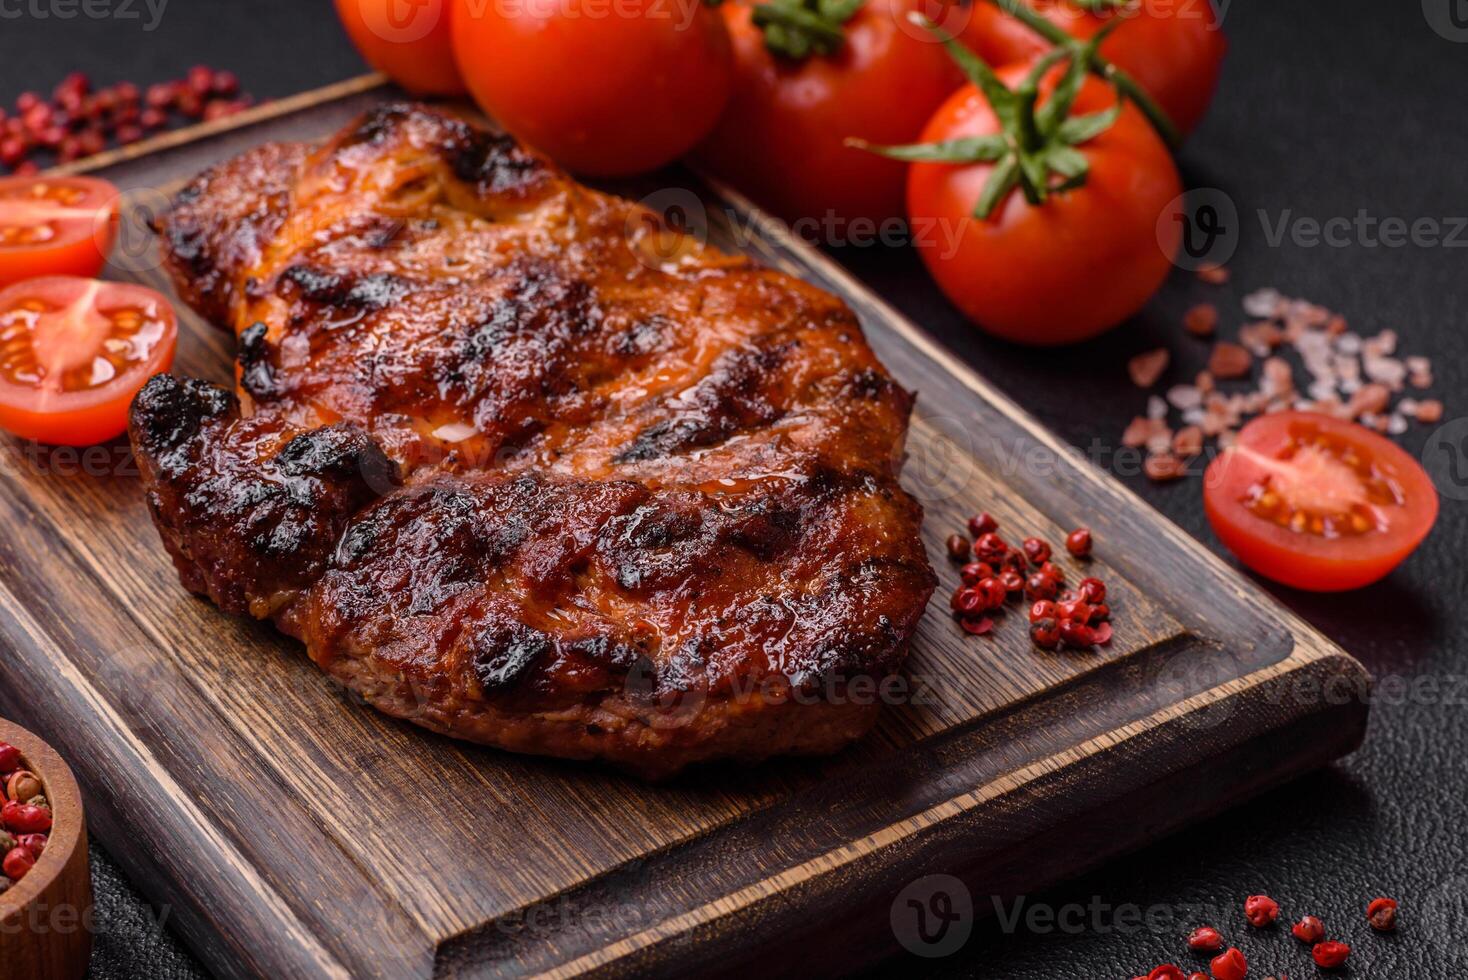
column 295, row 832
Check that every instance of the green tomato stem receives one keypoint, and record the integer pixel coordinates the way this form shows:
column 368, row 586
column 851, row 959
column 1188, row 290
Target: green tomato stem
column 1124, row 83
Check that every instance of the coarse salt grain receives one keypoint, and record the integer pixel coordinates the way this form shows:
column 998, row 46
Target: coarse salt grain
column 1262, row 302
column 1138, row 432
column 1351, row 377
column 1213, row 274
column 1201, row 320
column 1184, row 397
column 1147, row 367
column 1387, row 370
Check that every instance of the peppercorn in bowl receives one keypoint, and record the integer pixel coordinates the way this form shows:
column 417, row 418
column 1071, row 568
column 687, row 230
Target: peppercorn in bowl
column 45, row 874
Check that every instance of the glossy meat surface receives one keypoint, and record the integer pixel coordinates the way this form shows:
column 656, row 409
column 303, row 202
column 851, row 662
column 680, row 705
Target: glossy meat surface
column 519, row 465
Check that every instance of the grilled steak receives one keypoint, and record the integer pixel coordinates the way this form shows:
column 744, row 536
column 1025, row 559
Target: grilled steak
column 517, row 463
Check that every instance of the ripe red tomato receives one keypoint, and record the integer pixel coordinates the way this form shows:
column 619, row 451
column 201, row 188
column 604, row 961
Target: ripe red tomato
column 1173, row 48
column 55, row 226
column 1317, row 502
column 74, row 351
column 781, row 141
column 1070, row 268
column 605, row 89
column 408, row 40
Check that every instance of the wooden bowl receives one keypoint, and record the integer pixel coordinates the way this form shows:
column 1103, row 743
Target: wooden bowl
column 46, row 918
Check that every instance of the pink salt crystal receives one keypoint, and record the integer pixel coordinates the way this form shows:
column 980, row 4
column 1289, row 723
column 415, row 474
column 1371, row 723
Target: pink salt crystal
column 1138, row 432
column 1147, row 367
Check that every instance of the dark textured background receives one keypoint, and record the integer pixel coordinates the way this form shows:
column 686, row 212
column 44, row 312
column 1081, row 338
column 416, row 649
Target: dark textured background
column 1324, row 110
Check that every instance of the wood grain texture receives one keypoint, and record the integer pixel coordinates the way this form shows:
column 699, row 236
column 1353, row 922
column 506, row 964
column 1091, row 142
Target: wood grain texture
column 297, row 832
column 45, row 918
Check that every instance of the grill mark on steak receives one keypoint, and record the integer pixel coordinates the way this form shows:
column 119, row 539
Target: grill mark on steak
column 730, row 398
column 515, row 485
column 256, row 374
column 345, row 291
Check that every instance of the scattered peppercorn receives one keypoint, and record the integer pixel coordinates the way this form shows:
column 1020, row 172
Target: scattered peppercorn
column 993, row 591
column 978, row 627
column 968, row 601
column 997, row 571
column 1077, row 610
column 1382, row 914
column 974, row 571
column 1330, row 955
column 982, row 524
column 1078, row 542
column 991, row 548
column 1229, row 965
column 77, row 122
column 1037, row 550
column 1260, row 910
column 1043, row 609
column 1045, row 633
column 1077, row 634
column 1093, row 590
column 957, row 547
column 1040, row 586
column 1205, row 939
column 1309, row 930
column 1165, row 972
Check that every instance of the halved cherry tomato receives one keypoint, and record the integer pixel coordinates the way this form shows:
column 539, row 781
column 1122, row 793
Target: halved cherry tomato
column 607, row 89
column 1317, row 502
column 783, row 138
column 54, row 226
column 74, row 351
column 1173, row 48
column 406, row 39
